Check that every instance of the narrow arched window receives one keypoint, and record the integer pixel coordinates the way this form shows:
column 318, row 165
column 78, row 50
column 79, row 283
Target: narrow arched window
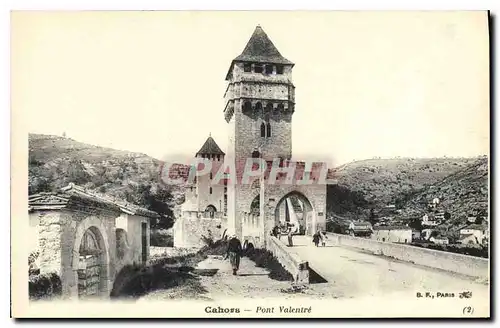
column 262, row 130
column 281, row 107
column 210, row 190
column 268, row 130
column 255, row 154
column 247, row 105
column 211, row 175
column 269, row 106
column 258, row 106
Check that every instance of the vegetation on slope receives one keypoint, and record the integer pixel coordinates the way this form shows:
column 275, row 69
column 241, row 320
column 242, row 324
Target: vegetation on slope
column 54, row 162
column 374, row 183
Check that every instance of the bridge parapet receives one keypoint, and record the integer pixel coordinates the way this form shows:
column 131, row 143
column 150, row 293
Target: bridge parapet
column 472, row 266
column 298, row 268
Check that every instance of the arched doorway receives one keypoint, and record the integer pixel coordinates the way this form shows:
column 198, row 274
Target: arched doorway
column 92, row 264
column 294, row 209
column 255, row 206
column 210, row 211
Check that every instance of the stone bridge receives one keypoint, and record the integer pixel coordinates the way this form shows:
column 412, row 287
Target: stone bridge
column 361, row 271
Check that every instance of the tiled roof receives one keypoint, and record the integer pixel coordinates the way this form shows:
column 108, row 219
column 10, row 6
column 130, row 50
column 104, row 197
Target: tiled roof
column 210, row 147
column 63, row 197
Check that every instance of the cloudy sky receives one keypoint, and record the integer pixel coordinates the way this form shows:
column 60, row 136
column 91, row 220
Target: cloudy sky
column 367, row 83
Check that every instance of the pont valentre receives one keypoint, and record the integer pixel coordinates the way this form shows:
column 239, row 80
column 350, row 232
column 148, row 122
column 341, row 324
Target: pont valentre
column 283, row 309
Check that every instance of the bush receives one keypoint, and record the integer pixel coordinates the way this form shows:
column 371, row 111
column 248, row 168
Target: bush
column 44, row 286
column 160, row 238
column 265, row 259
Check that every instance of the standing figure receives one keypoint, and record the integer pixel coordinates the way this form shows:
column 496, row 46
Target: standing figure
column 316, row 238
column 234, row 251
column 290, row 235
column 323, row 238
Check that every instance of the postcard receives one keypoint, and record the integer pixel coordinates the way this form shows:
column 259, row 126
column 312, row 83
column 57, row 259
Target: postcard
column 250, row 164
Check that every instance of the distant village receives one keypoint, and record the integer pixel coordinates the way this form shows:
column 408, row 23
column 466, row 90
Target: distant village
column 430, row 228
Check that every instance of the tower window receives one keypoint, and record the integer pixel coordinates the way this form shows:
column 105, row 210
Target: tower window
column 262, row 130
column 211, row 175
column 268, row 130
column 247, row 105
column 257, row 68
column 258, row 106
column 281, row 107
column 279, row 69
column 269, row 69
column 210, row 190
column 218, row 157
column 247, row 67
column 256, row 154
column 269, row 106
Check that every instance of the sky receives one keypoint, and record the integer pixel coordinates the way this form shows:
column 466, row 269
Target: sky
column 368, row 84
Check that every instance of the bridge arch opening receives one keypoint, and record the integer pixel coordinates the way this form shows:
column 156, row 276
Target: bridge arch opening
column 294, row 209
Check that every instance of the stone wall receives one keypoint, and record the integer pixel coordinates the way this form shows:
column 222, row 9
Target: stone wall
column 189, row 229
column 132, row 245
column 60, row 235
column 291, row 262
column 458, row 263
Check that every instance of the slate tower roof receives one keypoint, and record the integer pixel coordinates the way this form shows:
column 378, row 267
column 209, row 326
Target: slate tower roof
column 260, row 49
column 210, row 147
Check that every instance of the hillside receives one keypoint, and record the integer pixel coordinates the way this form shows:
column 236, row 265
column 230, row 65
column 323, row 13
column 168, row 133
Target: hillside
column 384, row 181
column 56, row 161
column 462, row 194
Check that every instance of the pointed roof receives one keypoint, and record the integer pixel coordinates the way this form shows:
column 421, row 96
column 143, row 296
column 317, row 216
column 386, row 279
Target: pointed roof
column 260, row 49
column 210, row 147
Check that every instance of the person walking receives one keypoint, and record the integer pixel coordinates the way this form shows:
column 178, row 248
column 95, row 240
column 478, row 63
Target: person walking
column 316, row 238
column 323, row 238
column 234, row 252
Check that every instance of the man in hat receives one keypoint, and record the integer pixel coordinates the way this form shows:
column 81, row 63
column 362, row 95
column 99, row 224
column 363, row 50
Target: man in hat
column 234, row 252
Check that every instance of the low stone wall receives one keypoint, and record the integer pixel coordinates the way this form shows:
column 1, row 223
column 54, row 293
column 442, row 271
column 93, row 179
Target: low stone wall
column 458, row 263
column 291, row 262
column 188, row 230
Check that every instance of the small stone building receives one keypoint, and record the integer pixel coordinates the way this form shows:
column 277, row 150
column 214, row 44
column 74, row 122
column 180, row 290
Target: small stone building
column 392, row 234
column 86, row 238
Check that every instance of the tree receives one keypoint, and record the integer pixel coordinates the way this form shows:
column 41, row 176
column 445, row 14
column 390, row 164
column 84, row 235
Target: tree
column 372, row 217
column 416, row 224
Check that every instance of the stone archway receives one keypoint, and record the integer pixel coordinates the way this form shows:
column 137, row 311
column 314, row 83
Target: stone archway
column 210, row 211
column 296, row 209
column 90, row 262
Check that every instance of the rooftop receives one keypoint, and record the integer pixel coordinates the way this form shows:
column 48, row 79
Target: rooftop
column 260, row 49
column 73, row 194
column 210, row 147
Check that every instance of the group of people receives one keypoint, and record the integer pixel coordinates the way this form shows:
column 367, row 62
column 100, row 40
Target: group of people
column 277, row 231
column 235, row 250
column 318, row 237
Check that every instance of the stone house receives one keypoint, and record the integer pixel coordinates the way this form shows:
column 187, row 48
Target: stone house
column 360, row 228
column 87, row 238
column 392, row 234
column 439, row 240
column 473, row 234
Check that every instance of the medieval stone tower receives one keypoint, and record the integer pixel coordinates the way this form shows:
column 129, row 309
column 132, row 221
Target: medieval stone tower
column 259, row 105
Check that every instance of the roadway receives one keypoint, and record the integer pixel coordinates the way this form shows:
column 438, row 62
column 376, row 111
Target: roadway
column 359, row 273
